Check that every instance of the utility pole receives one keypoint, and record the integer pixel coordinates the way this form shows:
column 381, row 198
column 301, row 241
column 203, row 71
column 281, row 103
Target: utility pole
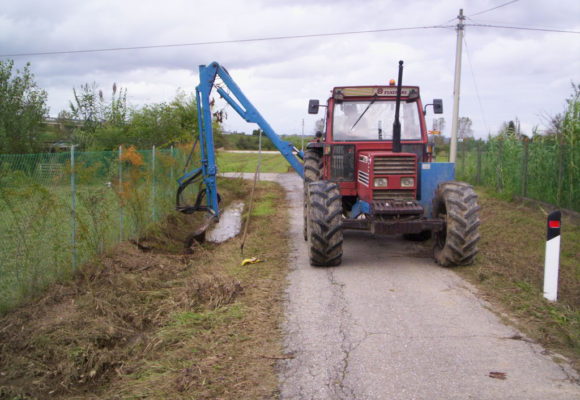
column 456, row 88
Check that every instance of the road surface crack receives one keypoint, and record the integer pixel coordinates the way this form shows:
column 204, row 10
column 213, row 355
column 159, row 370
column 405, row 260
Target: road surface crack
column 337, row 383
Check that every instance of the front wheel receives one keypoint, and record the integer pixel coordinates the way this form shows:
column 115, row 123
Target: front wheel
column 456, row 244
column 312, row 173
column 324, row 220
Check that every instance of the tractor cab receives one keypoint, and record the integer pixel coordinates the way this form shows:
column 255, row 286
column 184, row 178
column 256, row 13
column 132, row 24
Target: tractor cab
column 366, row 154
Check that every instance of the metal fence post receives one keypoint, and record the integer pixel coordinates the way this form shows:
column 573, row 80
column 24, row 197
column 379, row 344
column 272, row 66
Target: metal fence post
column 121, row 216
column 172, row 163
column 73, row 208
column 478, row 165
column 560, row 172
column 499, row 168
column 259, row 153
column 525, row 169
column 153, row 183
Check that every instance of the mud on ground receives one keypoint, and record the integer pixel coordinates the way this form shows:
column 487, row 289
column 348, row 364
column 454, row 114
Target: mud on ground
column 148, row 320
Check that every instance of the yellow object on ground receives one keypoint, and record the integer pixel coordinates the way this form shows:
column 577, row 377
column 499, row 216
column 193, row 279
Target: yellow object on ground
column 252, row 260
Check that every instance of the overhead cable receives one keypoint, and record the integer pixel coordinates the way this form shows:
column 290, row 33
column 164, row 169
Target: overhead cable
column 523, row 28
column 262, row 39
column 475, row 85
column 494, row 8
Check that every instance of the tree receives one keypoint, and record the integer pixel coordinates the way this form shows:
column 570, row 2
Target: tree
column 464, row 129
column 104, row 122
column 511, row 129
column 87, row 106
column 22, row 110
column 164, row 124
column 567, row 120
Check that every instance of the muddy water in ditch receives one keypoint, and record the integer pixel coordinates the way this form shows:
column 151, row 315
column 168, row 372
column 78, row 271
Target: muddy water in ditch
column 230, row 224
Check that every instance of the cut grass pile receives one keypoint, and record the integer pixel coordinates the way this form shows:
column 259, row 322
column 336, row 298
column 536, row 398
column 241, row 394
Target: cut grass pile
column 151, row 321
column 509, row 272
column 247, row 162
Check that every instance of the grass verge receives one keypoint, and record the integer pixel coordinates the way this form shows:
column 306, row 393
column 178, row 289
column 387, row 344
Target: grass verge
column 247, row 162
column 509, row 273
column 149, row 321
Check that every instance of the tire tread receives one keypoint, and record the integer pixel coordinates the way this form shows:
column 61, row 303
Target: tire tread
column 457, row 202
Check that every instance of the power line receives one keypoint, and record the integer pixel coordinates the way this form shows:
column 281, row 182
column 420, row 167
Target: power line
column 475, row 85
column 494, row 8
column 523, row 28
column 262, row 39
column 504, row 23
column 482, row 12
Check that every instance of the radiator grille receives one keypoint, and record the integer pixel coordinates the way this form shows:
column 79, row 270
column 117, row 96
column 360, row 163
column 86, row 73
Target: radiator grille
column 393, row 194
column 342, row 163
column 404, row 165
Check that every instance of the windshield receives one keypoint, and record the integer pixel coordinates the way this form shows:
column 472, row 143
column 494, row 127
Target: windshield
column 352, row 123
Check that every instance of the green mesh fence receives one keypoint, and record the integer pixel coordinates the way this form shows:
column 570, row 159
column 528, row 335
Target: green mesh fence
column 545, row 171
column 59, row 210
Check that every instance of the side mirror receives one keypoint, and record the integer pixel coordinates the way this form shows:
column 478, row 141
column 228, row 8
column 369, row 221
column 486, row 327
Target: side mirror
column 318, row 134
column 437, row 106
column 313, row 106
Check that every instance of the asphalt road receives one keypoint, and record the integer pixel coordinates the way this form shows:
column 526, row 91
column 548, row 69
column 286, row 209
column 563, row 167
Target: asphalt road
column 391, row 324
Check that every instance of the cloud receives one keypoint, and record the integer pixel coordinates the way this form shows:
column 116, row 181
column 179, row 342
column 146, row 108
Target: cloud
column 518, row 73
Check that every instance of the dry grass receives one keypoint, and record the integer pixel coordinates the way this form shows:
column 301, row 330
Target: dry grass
column 157, row 323
column 509, row 272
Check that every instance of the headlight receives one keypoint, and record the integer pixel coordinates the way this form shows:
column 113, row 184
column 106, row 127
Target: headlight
column 407, row 182
column 381, row 182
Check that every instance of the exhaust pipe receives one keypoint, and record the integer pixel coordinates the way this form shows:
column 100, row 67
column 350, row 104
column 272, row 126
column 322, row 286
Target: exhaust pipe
column 397, row 123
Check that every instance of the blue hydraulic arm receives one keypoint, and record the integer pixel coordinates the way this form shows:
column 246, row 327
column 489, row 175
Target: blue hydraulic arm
column 208, row 168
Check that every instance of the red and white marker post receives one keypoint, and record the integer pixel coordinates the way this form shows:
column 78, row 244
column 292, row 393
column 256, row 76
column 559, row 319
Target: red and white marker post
column 552, row 262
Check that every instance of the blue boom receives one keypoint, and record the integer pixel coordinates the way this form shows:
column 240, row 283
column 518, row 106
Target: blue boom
column 208, row 168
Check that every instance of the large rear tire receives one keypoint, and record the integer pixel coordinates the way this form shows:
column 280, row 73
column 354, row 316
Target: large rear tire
column 324, row 224
column 456, row 244
column 312, row 173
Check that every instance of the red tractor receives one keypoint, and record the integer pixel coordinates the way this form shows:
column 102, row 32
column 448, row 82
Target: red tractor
column 361, row 174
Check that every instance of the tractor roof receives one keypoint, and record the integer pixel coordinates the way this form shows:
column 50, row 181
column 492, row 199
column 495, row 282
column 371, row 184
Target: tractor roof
column 342, row 92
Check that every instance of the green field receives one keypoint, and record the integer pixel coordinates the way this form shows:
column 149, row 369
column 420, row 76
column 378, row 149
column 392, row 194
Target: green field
column 247, row 162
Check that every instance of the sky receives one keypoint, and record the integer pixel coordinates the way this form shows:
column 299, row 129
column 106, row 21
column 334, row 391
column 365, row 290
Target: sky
column 506, row 73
